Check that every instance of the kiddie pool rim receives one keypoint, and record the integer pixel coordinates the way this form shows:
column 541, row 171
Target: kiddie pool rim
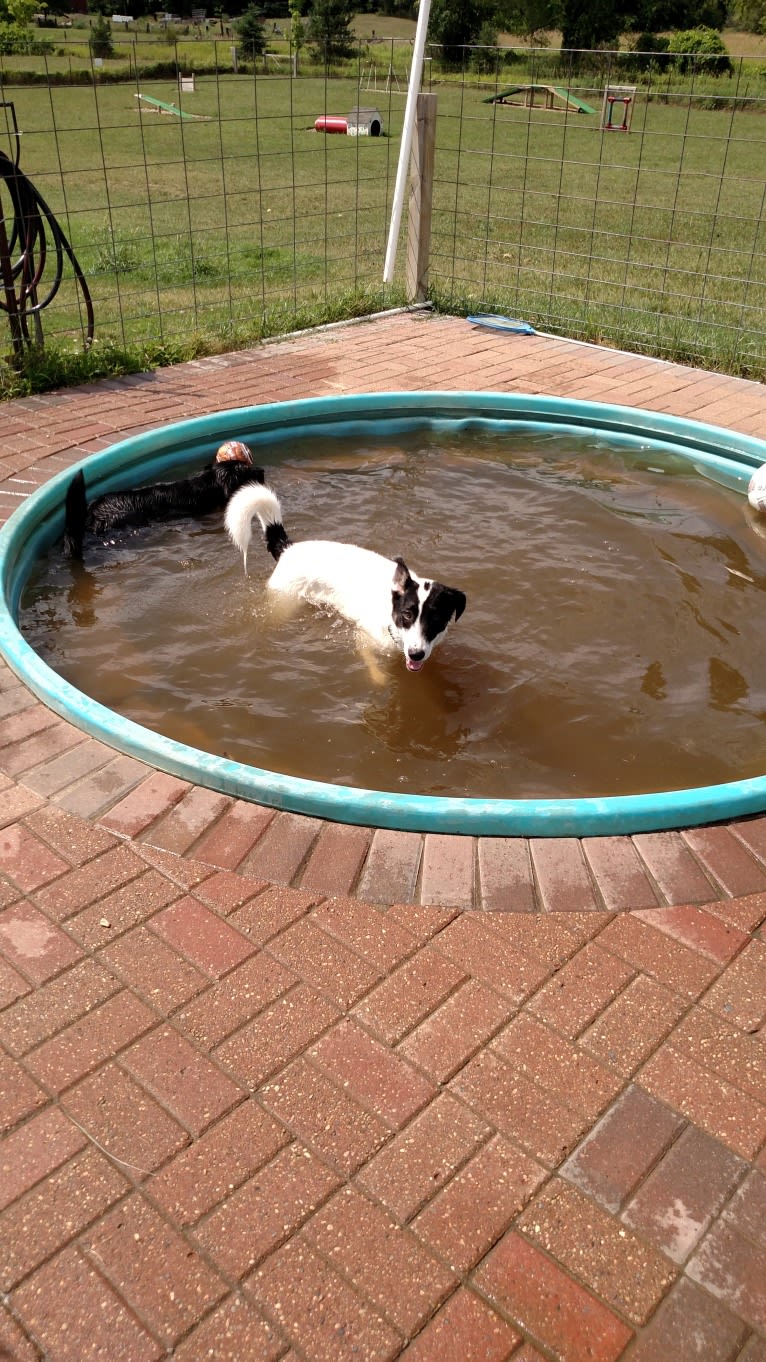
column 721, row 454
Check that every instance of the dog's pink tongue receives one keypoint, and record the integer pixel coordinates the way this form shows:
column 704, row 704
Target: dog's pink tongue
column 413, row 666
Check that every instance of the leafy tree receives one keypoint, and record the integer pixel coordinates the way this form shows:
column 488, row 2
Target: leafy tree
column 100, row 41
column 17, row 34
column 749, row 15
column 531, row 19
column 329, row 28
column 455, row 25
column 648, row 51
column 590, row 24
column 18, row 11
column 53, row 10
column 486, row 56
column 660, row 16
column 297, row 30
column 250, row 31
column 401, row 9
column 701, row 49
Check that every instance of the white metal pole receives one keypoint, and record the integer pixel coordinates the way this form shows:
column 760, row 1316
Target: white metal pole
column 413, row 89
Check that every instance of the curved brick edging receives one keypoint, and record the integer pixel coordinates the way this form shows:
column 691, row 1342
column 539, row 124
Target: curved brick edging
column 250, row 1119
column 501, row 874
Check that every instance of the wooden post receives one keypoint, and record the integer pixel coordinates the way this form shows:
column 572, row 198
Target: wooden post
column 421, row 199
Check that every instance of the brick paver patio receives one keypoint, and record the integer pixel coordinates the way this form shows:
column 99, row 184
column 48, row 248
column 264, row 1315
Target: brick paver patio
column 278, row 1089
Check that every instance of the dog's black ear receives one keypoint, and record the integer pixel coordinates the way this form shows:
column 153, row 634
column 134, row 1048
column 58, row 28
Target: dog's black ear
column 402, row 575
column 457, row 600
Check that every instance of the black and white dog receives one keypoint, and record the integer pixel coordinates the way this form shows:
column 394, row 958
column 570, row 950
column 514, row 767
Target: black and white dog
column 208, row 490
column 380, row 595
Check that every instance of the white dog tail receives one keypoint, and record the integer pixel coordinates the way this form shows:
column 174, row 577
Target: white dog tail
column 255, row 500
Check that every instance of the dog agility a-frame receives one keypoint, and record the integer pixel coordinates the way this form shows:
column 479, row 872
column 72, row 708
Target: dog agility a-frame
column 540, row 96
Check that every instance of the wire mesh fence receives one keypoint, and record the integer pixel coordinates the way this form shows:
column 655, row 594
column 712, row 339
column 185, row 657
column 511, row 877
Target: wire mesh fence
column 205, row 200
column 208, row 203
column 637, row 219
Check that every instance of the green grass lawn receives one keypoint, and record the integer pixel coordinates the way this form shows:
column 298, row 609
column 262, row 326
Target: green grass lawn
column 653, row 239
column 245, row 220
column 215, row 221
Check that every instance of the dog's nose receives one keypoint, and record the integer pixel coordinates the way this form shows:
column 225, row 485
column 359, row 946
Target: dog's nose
column 416, row 654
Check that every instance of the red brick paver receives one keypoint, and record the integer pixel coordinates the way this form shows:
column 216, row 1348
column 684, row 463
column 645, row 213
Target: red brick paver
column 286, row 1091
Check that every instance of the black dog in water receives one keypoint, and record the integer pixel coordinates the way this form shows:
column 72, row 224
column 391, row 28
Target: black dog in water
column 208, row 490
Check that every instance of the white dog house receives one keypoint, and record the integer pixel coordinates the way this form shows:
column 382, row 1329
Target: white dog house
column 364, row 123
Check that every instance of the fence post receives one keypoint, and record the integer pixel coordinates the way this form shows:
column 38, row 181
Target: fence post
column 421, row 199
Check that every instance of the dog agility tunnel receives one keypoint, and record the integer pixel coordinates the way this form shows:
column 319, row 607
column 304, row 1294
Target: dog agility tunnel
column 360, row 122
column 328, row 123
column 724, row 456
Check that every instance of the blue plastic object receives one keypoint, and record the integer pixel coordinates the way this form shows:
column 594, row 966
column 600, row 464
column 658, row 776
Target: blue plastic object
column 722, row 455
column 497, row 323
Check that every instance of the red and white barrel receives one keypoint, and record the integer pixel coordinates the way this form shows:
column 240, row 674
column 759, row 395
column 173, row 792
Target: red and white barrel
column 331, row 124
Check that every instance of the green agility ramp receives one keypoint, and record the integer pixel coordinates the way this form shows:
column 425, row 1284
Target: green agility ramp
column 573, row 101
column 159, row 106
column 540, row 96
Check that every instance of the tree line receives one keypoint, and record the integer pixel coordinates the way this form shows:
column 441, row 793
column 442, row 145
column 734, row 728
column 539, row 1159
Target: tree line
column 455, row 25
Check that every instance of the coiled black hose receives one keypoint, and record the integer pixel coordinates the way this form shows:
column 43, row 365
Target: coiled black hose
column 24, row 256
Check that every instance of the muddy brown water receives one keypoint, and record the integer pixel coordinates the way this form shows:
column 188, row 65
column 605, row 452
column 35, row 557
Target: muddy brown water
column 613, row 642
